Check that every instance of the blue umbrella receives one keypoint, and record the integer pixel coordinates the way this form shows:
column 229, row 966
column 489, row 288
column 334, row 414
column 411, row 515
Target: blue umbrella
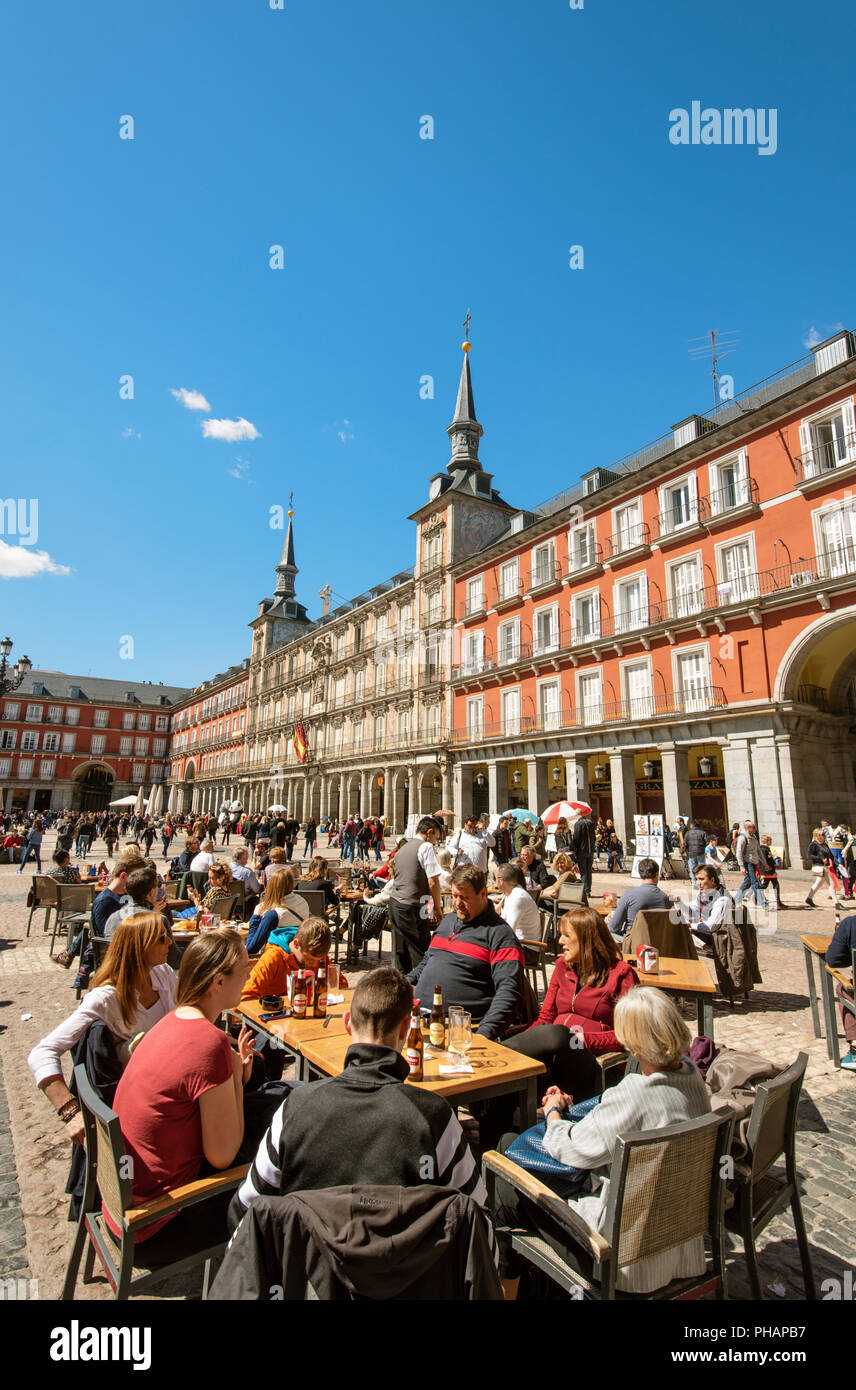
column 519, row 814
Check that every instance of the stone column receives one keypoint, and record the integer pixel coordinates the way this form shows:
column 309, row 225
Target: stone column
column 307, row 801
column 537, row 792
column 739, row 785
column 493, row 791
column 576, row 779
column 797, row 827
column 448, row 788
column 676, row 781
column 462, row 792
column 769, row 808
column 323, row 803
column 364, row 793
column 623, row 794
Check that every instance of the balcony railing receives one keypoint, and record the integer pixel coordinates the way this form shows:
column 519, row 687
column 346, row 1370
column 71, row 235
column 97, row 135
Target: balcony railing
column 581, row 560
column 697, row 700
column 509, row 592
column 473, row 606
column 544, row 576
column 626, row 540
column 743, row 492
column 822, row 459
column 676, row 519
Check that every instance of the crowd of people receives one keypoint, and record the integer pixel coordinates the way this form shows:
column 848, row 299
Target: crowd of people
column 194, row 1098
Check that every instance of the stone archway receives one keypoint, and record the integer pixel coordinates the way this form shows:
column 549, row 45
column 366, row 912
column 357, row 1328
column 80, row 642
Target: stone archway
column 93, row 787
column 820, row 664
column 430, row 790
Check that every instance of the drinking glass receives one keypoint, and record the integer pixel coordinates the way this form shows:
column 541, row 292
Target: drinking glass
column 460, row 1034
column 332, row 977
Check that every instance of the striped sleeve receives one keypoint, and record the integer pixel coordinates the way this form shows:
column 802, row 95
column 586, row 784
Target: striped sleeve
column 265, row 1175
column 455, row 1164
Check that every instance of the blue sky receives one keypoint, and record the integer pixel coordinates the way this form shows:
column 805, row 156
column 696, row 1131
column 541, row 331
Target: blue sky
column 256, row 127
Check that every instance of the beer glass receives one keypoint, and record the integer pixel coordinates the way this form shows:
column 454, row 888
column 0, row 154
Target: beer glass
column 460, row 1034
column 332, row 978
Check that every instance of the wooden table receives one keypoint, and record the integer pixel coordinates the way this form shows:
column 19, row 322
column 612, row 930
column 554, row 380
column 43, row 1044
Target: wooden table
column 292, row 1033
column 815, row 946
column 497, row 1071
column 689, row 977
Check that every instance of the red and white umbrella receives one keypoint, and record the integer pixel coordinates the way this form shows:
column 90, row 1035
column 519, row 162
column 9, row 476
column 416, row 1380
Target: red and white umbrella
column 568, row 809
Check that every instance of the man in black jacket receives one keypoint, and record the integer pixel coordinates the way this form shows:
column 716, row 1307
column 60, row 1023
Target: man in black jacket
column 583, row 840
column 839, row 954
column 535, row 868
column 181, row 864
column 364, row 1127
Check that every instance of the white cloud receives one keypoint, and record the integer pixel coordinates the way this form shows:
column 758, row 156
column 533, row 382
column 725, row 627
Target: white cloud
column 19, row 562
column 131, row 434
column 229, row 430
column 193, row 400
column 813, row 337
column 241, row 470
column 345, row 433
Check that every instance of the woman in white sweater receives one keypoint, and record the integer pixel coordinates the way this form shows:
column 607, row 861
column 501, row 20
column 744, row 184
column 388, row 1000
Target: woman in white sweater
column 668, row 1090
column 133, row 989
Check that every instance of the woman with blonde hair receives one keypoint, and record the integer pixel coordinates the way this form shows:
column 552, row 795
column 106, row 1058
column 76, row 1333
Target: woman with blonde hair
column 131, row 992
column 281, row 911
column 667, row 1090
column 181, row 1098
column 563, row 867
column 278, row 862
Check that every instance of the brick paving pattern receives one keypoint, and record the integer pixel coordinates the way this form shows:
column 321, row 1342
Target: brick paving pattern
column 35, row 1234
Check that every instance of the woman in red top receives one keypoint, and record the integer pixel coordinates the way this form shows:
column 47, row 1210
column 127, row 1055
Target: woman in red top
column 576, row 1018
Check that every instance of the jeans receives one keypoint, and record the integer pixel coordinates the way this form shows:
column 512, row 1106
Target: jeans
column 35, row 850
column 82, row 846
column 752, row 881
column 349, row 845
column 694, row 861
column 308, row 848
column 377, row 853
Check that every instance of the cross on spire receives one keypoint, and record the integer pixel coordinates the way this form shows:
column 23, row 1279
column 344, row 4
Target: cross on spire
column 466, row 324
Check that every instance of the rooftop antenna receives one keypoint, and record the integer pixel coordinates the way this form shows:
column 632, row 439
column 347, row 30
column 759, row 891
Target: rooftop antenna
column 707, row 343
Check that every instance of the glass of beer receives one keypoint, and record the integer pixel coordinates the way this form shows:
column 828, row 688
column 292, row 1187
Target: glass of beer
column 460, row 1034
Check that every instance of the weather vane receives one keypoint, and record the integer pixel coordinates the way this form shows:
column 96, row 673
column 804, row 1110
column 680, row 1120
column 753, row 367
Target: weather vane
column 291, row 504
column 466, row 327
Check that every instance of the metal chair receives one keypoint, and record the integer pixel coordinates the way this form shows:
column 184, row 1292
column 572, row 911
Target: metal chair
column 665, row 1188
column 74, row 910
column 535, row 954
column 107, row 1164
column 760, row 1195
column 46, row 895
column 99, row 946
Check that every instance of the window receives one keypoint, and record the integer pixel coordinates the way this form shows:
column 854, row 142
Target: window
column 68, row 742
column 54, row 715
column 50, row 743
column 508, row 642
column 139, row 772
column 432, row 550
column 379, row 677
column 405, row 617
column 141, row 747
column 47, row 768
column 631, row 603
column 637, row 690
column 404, row 725
column 836, row 539
column 686, row 587
column 127, row 744
column 98, row 744
column 549, row 704
column 101, row 719
column 381, row 629
column 380, row 730
column 475, row 595
column 543, row 564
column 144, row 721
column 678, row 505
column 34, row 714
column 128, row 718
column 8, row 738
column 590, row 690
column 29, row 741
column 434, row 613
column 729, row 483
column 12, row 710
column 339, row 692
column 546, row 630
column 159, row 747
column 582, row 547
column 5, row 767
column 586, row 616
column 511, row 711
column 828, row 440
column 402, row 672
column 692, row 679
column 25, row 767
column 475, row 717
column 432, row 722
column 627, row 527
column 360, row 685
column 509, row 579
column 738, row 576
column 472, row 653
column 161, row 721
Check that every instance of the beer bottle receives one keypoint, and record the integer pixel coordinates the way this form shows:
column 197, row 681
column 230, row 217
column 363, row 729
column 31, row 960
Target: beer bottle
column 298, row 1003
column 437, row 1025
column 414, row 1047
column 320, row 1005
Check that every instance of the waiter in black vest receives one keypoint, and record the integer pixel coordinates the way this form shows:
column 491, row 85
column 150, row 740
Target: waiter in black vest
column 414, row 901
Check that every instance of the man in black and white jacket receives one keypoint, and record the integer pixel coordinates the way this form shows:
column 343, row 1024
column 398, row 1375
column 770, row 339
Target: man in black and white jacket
column 364, row 1126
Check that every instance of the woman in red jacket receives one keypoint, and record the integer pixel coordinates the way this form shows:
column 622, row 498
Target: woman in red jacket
column 576, row 1018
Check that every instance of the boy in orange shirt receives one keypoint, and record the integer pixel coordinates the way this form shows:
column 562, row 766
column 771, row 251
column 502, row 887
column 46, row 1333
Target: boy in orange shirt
column 305, row 951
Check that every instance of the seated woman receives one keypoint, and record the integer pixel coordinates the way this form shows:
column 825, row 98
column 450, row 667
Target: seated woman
column 220, row 888
column 180, row 1101
column 133, row 989
column 563, row 867
column 666, row 1091
column 564, row 839
column 316, row 879
column 277, row 861
column 518, row 908
column 280, row 909
column 614, row 853
column 63, row 870
column 576, row 1018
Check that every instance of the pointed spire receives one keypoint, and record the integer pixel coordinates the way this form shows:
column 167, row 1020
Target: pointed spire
column 465, row 430
column 286, row 570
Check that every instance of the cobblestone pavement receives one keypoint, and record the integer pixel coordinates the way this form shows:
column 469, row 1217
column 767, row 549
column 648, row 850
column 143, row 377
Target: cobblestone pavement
column 35, row 1234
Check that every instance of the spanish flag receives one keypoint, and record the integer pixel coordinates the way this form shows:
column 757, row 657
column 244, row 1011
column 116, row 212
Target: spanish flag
column 301, row 743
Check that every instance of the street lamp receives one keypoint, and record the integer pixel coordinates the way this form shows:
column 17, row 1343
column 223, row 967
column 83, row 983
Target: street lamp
column 599, row 771
column 648, row 769
column 22, row 666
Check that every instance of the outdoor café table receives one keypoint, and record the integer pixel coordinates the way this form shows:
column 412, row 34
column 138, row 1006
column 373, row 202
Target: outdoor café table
column 829, row 975
column 497, row 1071
column 816, row 946
column 292, row 1033
column 688, row 977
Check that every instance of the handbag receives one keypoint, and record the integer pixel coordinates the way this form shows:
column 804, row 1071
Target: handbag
column 528, row 1152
